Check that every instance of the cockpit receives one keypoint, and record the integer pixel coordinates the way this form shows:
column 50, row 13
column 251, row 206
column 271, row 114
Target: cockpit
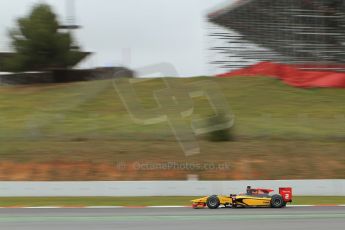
column 259, row 192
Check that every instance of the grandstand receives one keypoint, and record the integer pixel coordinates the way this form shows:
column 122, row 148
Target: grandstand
column 306, row 33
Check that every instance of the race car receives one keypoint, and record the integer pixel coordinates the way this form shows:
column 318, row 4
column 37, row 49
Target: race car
column 254, row 197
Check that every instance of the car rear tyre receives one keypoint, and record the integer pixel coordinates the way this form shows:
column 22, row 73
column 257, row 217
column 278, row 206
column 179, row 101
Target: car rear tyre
column 213, row 202
column 277, row 201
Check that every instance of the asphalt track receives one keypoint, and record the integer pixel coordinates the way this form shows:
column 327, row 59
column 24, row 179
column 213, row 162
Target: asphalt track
column 289, row 218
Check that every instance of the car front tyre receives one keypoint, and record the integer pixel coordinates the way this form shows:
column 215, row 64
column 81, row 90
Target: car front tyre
column 213, row 202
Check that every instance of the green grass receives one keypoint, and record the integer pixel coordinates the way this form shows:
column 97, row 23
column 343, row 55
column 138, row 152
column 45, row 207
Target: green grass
column 139, row 201
column 301, row 130
column 93, row 110
column 323, row 200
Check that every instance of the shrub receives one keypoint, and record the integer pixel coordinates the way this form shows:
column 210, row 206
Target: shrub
column 226, row 134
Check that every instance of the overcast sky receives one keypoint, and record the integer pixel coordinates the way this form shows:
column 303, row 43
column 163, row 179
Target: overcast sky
column 154, row 31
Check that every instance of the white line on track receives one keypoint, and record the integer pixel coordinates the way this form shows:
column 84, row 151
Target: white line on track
column 168, row 206
column 98, row 207
column 141, row 207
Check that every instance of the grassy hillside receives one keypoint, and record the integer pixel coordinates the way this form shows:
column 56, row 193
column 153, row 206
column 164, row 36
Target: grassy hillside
column 86, row 124
column 263, row 107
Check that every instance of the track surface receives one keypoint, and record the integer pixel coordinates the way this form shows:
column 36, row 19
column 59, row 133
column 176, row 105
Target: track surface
column 173, row 218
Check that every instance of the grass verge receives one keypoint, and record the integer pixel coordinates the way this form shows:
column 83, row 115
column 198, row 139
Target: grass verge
column 140, row 201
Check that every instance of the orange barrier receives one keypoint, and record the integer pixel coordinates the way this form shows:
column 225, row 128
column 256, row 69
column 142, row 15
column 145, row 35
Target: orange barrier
column 292, row 75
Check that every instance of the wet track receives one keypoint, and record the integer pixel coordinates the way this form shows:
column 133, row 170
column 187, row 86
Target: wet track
column 173, row 218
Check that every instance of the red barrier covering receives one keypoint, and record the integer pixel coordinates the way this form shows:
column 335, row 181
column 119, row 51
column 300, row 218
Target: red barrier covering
column 292, row 75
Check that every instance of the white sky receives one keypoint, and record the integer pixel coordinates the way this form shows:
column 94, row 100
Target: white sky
column 155, row 31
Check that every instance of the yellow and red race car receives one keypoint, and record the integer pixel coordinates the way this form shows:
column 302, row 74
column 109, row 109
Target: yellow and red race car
column 254, row 197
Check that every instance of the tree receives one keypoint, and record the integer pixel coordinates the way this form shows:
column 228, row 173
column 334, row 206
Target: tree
column 40, row 44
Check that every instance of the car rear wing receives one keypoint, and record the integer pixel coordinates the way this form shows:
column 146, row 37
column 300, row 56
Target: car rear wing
column 286, row 193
